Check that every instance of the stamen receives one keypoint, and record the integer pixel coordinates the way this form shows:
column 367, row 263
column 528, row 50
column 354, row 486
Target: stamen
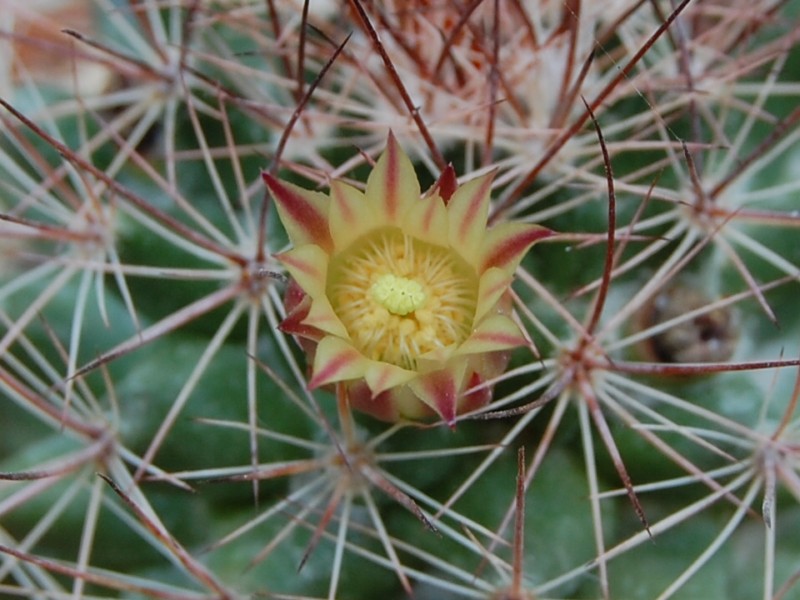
column 400, row 298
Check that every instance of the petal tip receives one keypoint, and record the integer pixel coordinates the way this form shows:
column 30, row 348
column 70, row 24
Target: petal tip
column 446, row 185
column 508, row 243
column 303, row 213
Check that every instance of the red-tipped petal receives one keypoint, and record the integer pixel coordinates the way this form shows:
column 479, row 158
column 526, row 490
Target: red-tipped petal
column 473, row 400
column 350, row 215
column 336, row 360
column 467, row 212
column 506, row 244
column 381, row 376
column 497, row 332
column 294, row 296
column 392, row 186
column 445, row 186
column 322, row 316
column 294, row 323
column 426, row 219
column 494, row 283
column 303, row 213
column 392, row 405
column 439, row 390
column 308, row 266
column 381, row 407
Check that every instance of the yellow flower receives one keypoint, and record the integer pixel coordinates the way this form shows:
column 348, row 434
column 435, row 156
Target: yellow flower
column 402, row 297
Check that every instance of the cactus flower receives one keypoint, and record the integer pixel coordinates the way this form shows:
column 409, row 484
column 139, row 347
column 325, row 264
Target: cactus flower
column 401, row 297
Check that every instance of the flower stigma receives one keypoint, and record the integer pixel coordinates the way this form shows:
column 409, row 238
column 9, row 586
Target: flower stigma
column 398, row 295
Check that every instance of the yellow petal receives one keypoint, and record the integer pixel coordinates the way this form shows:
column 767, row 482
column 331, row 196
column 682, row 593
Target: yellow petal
column 308, row 265
column 351, row 216
column 426, row 220
column 336, row 360
column 381, row 376
column 493, row 284
column 497, row 332
column 435, row 358
column 322, row 316
column 392, row 186
column 467, row 212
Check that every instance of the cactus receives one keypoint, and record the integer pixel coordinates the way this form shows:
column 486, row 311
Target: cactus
column 177, row 417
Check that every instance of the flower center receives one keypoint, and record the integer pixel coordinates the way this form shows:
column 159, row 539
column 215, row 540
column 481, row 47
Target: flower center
column 400, row 298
